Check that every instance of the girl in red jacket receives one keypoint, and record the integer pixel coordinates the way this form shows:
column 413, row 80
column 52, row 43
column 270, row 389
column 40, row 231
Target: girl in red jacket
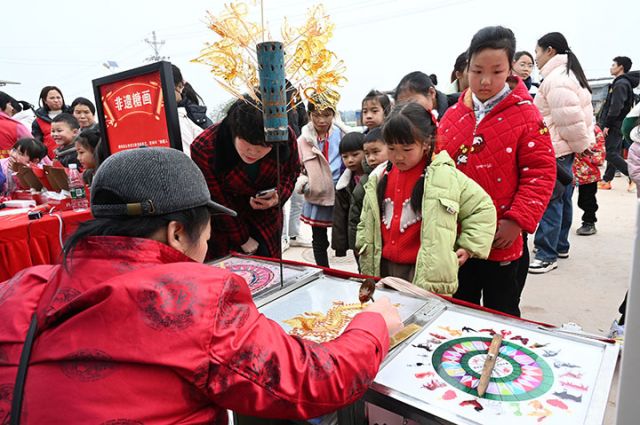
column 497, row 138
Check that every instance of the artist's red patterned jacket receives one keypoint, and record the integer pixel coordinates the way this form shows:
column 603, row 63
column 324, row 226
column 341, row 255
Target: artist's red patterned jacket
column 139, row 334
column 509, row 154
column 231, row 184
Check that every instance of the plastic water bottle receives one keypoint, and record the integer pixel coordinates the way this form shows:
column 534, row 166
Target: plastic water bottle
column 76, row 187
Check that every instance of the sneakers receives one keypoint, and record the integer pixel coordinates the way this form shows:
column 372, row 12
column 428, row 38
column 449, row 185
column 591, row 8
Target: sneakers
column 539, row 266
column 285, row 244
column 603, row 185
column 616, row 332
column 586, row 229
column 563, row 255
column 299, row 241
column 632, row 187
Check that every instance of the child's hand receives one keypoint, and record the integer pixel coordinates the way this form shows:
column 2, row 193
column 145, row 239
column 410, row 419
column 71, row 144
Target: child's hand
column 507, row 232
column 463, row 256
column 301, row 184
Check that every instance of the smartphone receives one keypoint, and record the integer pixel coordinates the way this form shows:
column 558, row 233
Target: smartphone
column 265, row 193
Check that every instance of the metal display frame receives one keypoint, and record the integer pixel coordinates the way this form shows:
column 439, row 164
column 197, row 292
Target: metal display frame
column 412, row 408
column 417, row 315
column 272, row 293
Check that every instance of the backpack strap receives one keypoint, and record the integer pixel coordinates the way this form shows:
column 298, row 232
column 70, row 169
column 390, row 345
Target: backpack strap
column 21, row 377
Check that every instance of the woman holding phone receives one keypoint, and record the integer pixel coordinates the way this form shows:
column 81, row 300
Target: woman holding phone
column 242, row 172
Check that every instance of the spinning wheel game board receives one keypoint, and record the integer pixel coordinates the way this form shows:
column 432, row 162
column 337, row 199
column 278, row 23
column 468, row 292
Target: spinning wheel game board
column 320, row 310
column 262, row 275
column 539, row 376
column 519, row 373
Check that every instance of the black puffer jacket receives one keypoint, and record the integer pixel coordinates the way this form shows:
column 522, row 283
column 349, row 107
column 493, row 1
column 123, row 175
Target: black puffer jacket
column 196, row 113
column 619, row 100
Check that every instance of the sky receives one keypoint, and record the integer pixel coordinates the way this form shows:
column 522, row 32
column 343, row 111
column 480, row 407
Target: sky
column 65, row 43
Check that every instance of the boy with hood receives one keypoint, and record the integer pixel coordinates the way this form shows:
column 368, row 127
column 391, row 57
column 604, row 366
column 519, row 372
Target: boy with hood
column 617, row 105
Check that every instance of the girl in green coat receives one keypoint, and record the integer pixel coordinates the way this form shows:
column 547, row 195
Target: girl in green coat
column 421, row 218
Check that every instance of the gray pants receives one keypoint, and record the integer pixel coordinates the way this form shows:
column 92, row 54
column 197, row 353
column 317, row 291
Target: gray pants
column 403, row 271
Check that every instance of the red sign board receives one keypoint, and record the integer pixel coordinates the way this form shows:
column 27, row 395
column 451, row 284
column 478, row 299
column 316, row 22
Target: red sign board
column 133, row 110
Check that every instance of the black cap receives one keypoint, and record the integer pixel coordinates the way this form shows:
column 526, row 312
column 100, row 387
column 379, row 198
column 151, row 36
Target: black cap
column 150, row 182
column 5, row 98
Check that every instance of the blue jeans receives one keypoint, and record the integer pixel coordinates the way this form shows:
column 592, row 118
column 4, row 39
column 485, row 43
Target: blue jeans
column 552, row 235
column 291, row 227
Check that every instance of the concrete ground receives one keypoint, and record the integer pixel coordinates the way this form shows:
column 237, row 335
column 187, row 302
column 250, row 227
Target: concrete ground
column 587, row 288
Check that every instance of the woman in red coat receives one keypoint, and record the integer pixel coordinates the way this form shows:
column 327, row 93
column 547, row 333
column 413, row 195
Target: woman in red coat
column 133, row 329
column 497, row 137
column 238, row 164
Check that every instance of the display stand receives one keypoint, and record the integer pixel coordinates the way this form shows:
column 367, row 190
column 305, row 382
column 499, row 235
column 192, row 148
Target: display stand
column 542, row 373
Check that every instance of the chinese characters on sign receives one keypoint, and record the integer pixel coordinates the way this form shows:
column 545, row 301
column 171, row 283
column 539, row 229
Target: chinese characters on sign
column 131, row 101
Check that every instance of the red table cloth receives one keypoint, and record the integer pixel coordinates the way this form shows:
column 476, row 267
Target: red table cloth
column 25, row 243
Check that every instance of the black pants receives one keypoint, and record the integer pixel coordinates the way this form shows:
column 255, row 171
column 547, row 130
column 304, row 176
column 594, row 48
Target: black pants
column 523, row 264
column 615, row 161
column 587, row 202
column 623, row 310
column 497, row 285
column 320, row 244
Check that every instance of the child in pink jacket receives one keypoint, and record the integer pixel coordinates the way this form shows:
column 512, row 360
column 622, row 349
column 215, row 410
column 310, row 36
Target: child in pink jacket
column 318, row 146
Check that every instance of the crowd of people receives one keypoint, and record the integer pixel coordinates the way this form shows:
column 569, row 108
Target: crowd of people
column 441, row 188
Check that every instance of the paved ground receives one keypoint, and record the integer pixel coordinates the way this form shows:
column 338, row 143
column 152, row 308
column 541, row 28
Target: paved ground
column 587, row 288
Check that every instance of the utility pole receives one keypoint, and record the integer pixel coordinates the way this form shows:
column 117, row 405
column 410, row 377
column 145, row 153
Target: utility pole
column 155, row 45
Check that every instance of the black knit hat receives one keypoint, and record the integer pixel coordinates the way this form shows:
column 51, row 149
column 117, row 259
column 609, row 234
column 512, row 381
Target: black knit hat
column 150, row 182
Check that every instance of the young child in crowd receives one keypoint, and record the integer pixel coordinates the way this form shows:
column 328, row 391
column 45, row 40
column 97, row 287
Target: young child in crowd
column 27, row 151
column 64, row 129
column 586, row 169
column 375, row 106
column 496, row 137
column 319, row 149
column 352, row 155
column 421, row 218
column 418, row 87
column 87, row 150
column 375, row 153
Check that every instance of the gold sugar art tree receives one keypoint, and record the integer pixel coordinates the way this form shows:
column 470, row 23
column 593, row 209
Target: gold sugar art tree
column 310, row 67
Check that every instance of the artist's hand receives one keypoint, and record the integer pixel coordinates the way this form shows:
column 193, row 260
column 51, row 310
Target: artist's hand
column 605, row 132
column 507, row 232
column 389, row 313
column 250, row 246
column 463, row 255
column 264, row 203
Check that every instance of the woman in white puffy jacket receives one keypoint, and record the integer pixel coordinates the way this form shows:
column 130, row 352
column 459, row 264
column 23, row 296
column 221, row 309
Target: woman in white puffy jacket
column 564, row 99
